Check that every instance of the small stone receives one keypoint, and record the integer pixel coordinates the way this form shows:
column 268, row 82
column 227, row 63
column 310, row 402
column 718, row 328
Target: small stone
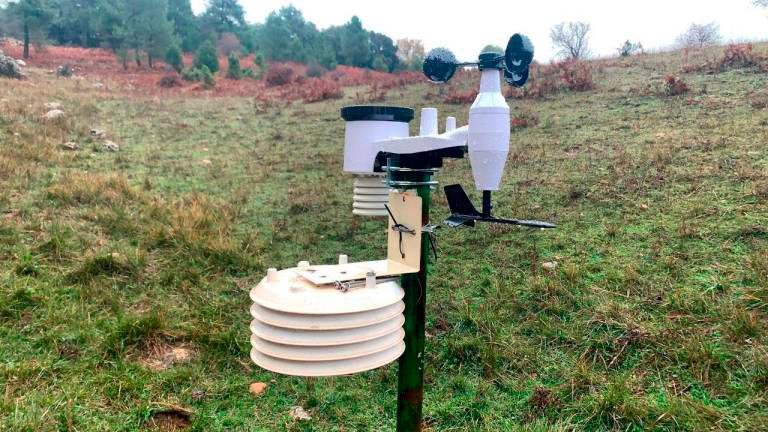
column 97, row 132
column 54, row 114
column 205, row 162
column 53, row 106
column 550, row 266
column 298, row 413
column 257, row 388
column 110, row 146
column 644, row 206
column 70, row 146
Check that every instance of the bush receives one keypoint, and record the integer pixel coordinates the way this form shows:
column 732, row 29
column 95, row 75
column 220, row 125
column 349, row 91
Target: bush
column 209, row 81
column 173, row 58
column 316, row 90
column 206, row 56
column 674, row 86
column 234, row 72
column 192, row 74
column 630, row 48
column 314, row 70
column 64, row 71
column 170, row 81
column 278, row 75
column 576, row 75
column 459, row 97
column 738, row 56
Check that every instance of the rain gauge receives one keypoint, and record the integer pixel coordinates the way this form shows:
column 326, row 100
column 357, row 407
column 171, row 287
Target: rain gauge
column 351, row 317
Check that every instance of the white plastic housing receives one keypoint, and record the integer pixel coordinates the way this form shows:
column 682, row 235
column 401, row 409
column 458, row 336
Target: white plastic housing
column 359, row 138
column 489, row 132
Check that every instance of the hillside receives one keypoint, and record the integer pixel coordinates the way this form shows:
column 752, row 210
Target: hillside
column 124, row 275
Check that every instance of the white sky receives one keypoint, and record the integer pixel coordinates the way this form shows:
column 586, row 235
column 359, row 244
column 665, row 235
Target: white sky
column 466, row 29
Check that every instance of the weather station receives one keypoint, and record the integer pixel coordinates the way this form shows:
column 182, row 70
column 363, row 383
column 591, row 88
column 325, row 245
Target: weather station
column 350, row 317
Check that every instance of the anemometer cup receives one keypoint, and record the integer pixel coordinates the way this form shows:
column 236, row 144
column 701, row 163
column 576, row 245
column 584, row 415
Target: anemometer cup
column 439, row 65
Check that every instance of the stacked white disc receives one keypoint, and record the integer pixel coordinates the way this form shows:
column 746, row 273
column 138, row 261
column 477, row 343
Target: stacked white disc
column 308, row 330
column 370, row 195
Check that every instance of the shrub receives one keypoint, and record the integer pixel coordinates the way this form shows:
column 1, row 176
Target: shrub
column 278, row 75
column 206, row 56
column 258, row 60
column 234, row 72
column 576, row 75
column 316, row 90
column 314, row 70
column 674, row 86
column 738, row 56
column 170, row 81
column 209, row 81
column 630, row 48
column 173, row 58
column 460, row 97
column 375, row 93
column 64, row 71
column 192, row 74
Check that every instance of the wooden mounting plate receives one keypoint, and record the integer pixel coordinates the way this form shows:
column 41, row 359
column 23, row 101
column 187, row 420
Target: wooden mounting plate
column 406, row 207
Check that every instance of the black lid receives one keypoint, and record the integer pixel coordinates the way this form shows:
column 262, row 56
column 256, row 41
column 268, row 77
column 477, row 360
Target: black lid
column 377, row 113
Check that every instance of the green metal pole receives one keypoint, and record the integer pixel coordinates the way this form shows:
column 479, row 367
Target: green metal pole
column 410, row 382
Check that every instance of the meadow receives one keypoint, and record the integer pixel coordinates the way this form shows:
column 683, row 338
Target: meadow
column 124, row 276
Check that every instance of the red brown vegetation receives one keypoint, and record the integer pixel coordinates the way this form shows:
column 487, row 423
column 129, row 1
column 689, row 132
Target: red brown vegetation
column 674, row 86
column 546, row 80
column 735, row 56
column 283, row 82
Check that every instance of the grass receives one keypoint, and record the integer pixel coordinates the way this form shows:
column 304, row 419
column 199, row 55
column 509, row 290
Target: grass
column 654, row 318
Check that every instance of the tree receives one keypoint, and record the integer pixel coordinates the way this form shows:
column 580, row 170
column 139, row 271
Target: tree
column 286, row 35
column 35, row 17
column 225, row 16
column 411, row 53
column 185, row 24
column 234, row 72
column 206, row 56
column 699, row 36
column 629, row 48
column 571, row 39
column 384, row 52
column 144, row 28
column 762, row 3
column 174, row 58
column 355, row 44
column 492, row 48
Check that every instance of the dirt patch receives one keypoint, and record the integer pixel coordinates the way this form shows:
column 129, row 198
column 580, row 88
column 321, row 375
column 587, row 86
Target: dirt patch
column 159, row 357
column 175, row 420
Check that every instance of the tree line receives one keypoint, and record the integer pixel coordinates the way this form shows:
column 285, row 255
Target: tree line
column 142, row 31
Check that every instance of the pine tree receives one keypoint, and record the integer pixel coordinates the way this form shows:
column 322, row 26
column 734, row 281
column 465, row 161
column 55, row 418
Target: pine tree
column 35, row 16
column 206, row 56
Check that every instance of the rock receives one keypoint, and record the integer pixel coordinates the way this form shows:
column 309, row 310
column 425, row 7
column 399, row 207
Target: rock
column 53, row 106
column 21, row 63
column 9, row 68
column 98, row 85
column 110, row 146
column 298, row 413
column 206, row 162
column 70, row 146
column 550, row 266
column 257, row 388
column 54, row 114
column 97, row 133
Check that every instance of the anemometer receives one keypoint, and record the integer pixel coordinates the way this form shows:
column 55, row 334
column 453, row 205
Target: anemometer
column 350, row 317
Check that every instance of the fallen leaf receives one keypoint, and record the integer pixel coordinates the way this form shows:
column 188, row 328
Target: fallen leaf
column 257, row 388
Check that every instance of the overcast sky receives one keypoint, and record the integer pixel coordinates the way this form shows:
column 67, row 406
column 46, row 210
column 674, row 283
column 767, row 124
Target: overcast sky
column 465, row 27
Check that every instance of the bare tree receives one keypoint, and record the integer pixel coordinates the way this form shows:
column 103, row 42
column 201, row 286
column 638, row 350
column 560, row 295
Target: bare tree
column 571, row 39
column 700, row 35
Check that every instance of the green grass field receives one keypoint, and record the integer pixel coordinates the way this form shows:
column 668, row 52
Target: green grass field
column 654, row 319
